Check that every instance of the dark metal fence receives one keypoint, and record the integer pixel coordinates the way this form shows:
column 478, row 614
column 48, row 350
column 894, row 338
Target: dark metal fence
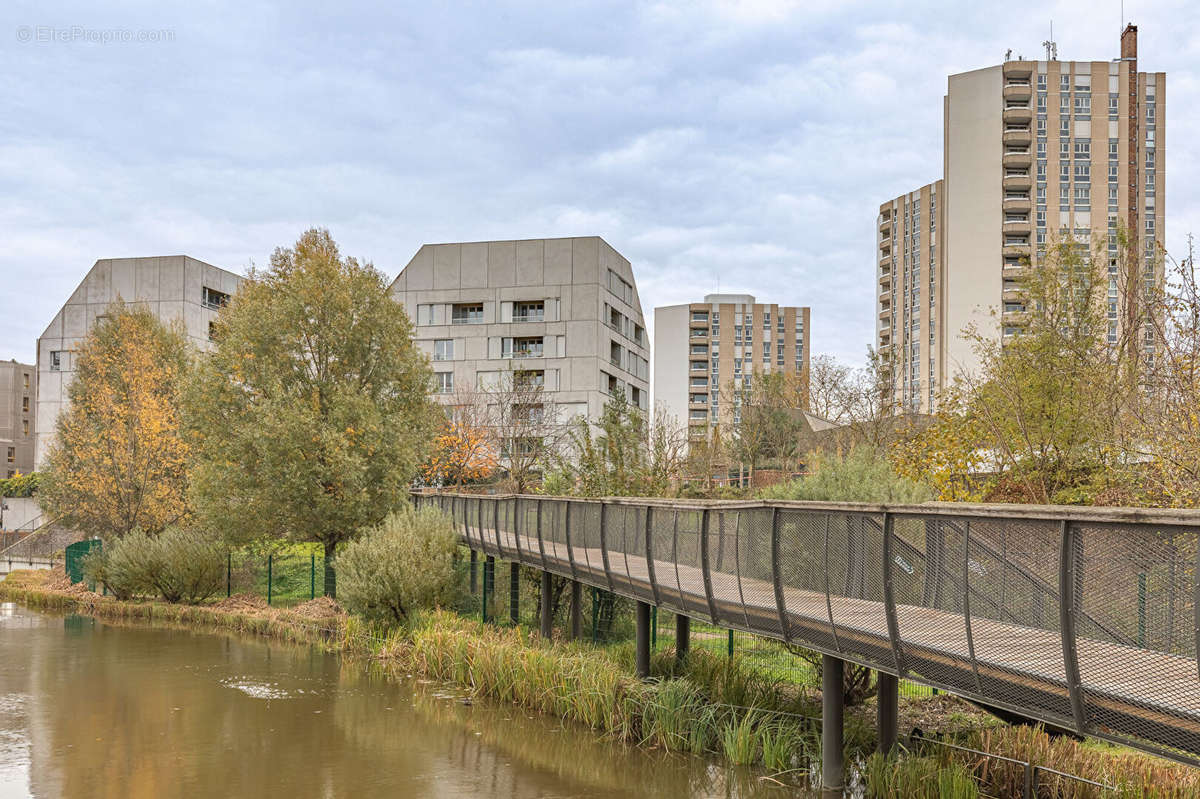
column 1086, row 619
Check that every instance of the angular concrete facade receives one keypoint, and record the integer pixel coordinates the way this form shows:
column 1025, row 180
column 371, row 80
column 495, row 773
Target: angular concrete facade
column 174, row 288
column 565, row 308
column 18, row 393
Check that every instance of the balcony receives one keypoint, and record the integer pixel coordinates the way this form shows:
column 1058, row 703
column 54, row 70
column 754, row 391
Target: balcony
column 1017, row 157
column 1015, row 202
column 1017, row 111
column 1015, row 249
column 1018, row 226
column 1018, row 179
column 1018, row 69
column 1017, row 89
column 698, row 356
column 1018, row 134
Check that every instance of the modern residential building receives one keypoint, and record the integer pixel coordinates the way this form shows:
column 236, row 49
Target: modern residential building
column 563, row 312
column 705, row 352
column 1034, row 152
column 911, row 271
column 18, row 392
column 175, row 288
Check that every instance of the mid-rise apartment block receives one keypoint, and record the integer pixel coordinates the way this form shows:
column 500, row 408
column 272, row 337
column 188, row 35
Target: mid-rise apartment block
column 706, row 353
column 563, row 313
column 176, row 289
column 911, row 272
column 1034, row 152
column 18, row 392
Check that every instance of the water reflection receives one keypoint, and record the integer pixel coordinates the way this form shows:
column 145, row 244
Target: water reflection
column 93, row 709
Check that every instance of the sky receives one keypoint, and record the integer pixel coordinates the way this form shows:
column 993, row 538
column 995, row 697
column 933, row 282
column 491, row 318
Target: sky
column 739, row 146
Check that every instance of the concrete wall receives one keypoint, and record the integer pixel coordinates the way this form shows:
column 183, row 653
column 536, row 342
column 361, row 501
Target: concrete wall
column 21, row 512
column 671, row 360
column 570, row 275
column 18, row 394
column 974, row 195
column 171, row 287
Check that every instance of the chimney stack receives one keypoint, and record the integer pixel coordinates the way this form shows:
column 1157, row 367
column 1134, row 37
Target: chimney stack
column 1129, row 42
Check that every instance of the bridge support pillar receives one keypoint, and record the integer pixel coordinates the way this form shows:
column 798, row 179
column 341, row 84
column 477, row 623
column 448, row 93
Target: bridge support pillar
column 474, row 571
column 489, row 586
column 683, row 636
column 576, row 610
column 545, row 611
column 643, row 640
column 888, row 691
column 514, row 593
column 832, row 712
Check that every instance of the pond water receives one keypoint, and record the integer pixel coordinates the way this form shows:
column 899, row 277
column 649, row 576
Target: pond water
column 93, row 709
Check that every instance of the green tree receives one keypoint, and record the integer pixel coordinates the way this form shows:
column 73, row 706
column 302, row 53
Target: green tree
column 312, row 412
column 118, row 460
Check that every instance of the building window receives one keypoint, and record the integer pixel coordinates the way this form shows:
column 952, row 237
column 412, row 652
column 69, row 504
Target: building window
column 26, row 376
column 443, row 382
column 24, row 404
column 12, row 454
column 529, row 311
column 470, row 313
column 25, row 427
column 620, row 288
column 443, row 349
column 211, row 298
column 56, row 360
column 521, row 347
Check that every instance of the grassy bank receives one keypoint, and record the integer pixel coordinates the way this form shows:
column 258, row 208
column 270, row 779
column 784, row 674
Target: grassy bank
column 712, row 705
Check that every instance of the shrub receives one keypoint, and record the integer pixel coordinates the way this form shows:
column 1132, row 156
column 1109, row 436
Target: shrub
column 180, row 565
column 861, row 476
column 406, row 563
column 19, row 485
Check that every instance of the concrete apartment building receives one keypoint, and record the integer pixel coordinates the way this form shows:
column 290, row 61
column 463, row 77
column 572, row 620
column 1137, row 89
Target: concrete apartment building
column 563, row 312
column 18, row 394
column 175, row 288
column 703, row 352
column 1034, row 152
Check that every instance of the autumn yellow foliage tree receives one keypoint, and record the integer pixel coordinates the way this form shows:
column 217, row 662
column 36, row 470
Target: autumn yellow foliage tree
column 118, row 461
column 461, row 453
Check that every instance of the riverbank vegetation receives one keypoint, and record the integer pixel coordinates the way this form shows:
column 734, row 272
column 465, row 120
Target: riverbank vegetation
column 711, row 704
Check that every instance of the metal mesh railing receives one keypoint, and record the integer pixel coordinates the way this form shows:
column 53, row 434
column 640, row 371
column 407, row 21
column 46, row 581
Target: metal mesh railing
column 1086, row 619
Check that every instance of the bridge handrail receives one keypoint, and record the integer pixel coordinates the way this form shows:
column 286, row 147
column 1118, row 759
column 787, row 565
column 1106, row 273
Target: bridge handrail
column 1055, row 613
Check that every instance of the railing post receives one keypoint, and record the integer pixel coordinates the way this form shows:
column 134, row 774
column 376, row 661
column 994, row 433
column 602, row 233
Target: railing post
column 1066, row 616
column 576, row 610
column 537, row 517
column 546, row 614
column 228, row 573
column 489, row 584
column 650, row 557
column 777, row 578
column 270, row 569
column 567, row 537
column 966, row 573
column 683, row 634
column 643, row 640
column 888, row 690
column 312, row 576
column 514, row 593
column 474, row 572
column 832, row 719
column 889, row 595
column 704, row 567
column 604, row 543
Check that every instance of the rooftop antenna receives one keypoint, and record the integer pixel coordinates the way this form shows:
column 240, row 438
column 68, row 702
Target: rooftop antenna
column 1052, row 47
column 1008, row 54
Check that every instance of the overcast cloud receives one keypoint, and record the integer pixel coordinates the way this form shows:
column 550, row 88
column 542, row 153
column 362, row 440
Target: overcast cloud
column 746, row 144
